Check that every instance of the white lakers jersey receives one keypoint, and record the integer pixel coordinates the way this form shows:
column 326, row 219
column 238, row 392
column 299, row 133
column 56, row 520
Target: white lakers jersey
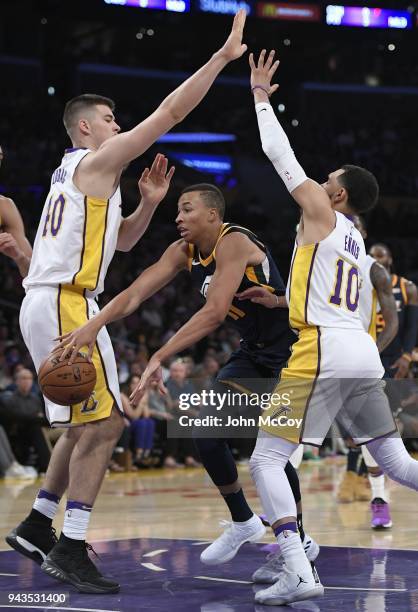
column 324, row 279
column 368, row 298
column 77, row 235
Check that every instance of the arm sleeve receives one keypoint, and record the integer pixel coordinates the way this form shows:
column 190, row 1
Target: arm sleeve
column 277, row 147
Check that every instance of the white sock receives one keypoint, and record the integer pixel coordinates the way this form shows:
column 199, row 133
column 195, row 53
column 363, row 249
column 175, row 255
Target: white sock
column 292, row 551
column 46, row 503
column 76, row 520
column 377, row 484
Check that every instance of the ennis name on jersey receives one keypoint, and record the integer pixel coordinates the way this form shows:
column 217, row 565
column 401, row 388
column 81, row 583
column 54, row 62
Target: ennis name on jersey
column 325, row 277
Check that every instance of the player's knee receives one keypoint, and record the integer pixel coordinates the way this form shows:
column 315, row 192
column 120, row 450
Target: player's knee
column 393, row 458
column 259, row 461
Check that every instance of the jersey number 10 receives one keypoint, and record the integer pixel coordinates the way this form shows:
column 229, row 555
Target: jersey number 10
column 346, row 286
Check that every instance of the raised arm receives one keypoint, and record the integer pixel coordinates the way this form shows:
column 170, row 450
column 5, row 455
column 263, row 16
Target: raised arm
column 310, row 196
column 149, row 282
column 381, row 282
column 153, row 186
column 232, row 255
column 119, row 150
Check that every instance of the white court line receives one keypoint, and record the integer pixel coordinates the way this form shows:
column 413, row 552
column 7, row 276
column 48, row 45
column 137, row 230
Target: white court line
column 223, row 579
column 325, row 587
column 154, row 568
column 9, row 574
column 27, row 607
column 154, row 553
column 201, row 543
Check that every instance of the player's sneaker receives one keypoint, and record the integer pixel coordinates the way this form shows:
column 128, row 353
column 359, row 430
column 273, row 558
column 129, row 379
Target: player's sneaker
column 381, row 518
column 290, row 587
column 347, row 489
column 34, row 540
column 363, row 489
column 270, row 571
column 75, row 567
column 225, row 547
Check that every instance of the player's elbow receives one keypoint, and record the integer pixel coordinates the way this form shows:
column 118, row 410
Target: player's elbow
column 170, row 114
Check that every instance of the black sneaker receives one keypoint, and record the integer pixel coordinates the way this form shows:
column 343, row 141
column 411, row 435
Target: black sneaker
column 74, row 566
column 34, row 540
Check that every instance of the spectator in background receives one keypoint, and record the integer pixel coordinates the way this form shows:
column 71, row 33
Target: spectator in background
column 9, row 466
column 179, row 448
column 142, row 426
column 22, row 414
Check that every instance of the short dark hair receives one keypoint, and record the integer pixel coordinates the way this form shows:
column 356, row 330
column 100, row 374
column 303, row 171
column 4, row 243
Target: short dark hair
column 361, row 186
column 211, row 195
column 81, row 103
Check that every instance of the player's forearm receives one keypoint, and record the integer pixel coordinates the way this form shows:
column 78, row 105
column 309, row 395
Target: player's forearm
column 23, row 263
column 120, row 307
column 199, row 326
column 188, row 95
column 133, row 227
column 276, row 145
column 388, row 333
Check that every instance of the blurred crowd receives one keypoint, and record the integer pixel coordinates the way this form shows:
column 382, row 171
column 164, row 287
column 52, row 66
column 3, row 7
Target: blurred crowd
column 326, row 130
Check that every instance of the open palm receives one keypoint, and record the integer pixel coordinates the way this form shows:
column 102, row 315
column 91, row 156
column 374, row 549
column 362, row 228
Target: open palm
column 154, row 183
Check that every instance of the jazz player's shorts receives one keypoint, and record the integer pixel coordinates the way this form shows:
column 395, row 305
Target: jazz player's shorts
column 48, row 312
column 330, row 372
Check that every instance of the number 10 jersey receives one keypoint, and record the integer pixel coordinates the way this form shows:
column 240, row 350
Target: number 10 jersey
column 77, row 234
column 325, row 277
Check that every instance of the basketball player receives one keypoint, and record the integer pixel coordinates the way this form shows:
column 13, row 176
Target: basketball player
column 222, row 259
column 375, row 292
column 13, row 241
column 334, row 363
column 396, row 357
column 80, row 228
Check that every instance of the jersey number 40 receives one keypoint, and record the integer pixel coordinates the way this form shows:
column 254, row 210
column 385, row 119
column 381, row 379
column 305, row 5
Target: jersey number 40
column 54, row 215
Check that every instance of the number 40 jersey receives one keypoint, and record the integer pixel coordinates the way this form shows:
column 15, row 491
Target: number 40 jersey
column 77, row 234
column 324, row 280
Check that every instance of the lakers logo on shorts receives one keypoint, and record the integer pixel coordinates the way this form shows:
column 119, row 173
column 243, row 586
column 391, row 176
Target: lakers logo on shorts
column 90, row 405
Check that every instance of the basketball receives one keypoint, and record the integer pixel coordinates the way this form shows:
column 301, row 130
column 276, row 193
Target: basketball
column 66, row 384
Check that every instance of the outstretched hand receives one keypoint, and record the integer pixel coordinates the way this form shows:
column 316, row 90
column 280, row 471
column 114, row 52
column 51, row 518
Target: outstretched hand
column 71, row 343
column 260, row 295
column 154, row 183
column 234, row 47
column 263, row 72
column 151, row 377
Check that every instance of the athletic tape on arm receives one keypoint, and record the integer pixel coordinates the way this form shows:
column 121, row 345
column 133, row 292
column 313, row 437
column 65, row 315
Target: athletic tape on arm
column 277, row 147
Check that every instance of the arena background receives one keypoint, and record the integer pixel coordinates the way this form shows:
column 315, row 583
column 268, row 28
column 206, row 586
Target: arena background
column 347, row 95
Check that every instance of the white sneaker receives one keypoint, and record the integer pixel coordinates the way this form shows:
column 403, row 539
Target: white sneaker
column 290, row 587
column 30, row 471
column 270, row 571
column 16, row 471
column 225, row 547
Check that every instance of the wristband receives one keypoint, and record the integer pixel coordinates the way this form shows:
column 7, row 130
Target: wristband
column 260, row 87
column 407, row 356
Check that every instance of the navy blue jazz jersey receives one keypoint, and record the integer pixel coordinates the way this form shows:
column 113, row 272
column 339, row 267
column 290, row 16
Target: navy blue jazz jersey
column 265, row 334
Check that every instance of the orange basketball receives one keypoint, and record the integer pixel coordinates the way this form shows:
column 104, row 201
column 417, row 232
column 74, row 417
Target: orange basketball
column 66, row 384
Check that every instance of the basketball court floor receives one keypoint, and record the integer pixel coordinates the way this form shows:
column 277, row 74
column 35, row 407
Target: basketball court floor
column 149, row 529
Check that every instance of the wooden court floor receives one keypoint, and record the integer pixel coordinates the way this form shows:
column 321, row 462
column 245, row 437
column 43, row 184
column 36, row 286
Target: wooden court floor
column 184, row 504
